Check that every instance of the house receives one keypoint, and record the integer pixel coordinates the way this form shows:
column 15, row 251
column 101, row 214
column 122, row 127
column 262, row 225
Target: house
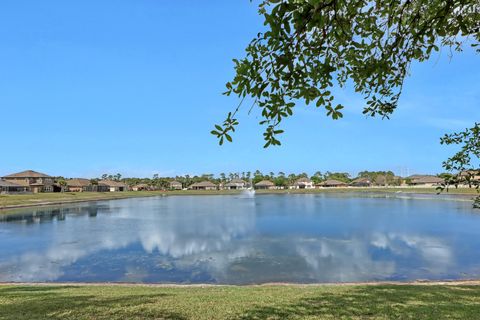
column 204, row 185
column 331, row 183
column 303, row 183
column 113, row 186
column 7, row 187
column 236, row 184
column 265, row 185
column 33, row 181
column 425, row 180
column 141, row 187
column 176, row 185
column 80, row 185
column 361, row 182
column 468, row 178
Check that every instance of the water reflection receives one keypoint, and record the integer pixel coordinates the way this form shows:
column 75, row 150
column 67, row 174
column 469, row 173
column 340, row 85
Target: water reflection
column 238, row 240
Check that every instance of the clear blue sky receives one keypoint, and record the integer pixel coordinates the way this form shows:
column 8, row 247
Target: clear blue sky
column 134, row 86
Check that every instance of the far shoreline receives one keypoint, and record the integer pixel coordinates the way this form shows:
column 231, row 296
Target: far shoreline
column 10, row 202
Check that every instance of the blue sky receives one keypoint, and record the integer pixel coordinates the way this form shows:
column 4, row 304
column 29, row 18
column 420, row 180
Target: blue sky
column 134, row 86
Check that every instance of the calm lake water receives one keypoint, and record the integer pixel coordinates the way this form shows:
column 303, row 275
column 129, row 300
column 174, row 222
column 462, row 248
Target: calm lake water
column 243, row 240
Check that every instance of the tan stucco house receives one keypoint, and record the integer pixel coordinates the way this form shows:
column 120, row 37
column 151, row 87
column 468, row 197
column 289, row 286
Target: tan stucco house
column 33, row 181
column 236, row 184
column 265, row 184
column 332, row 183
column 80, row 185
column 303, row 183
column 176, row 185
column 7, row 187
column 204, row 185
column 113, row 186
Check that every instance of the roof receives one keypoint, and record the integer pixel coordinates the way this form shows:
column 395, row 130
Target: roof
column 332, row 182
column 470, row 173
column 426, row 179
column 28, row 174
column 303, row 180
column 175, row 182
column 4, row 183
column 22, row 183
column 37, row 184
column 204, row 184
column 235, row 182
column 362, row 180
column 264, row 183
column 78, row 182
column 111, row 183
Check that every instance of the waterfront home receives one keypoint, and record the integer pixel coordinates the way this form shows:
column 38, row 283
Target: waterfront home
column 7, row 187
column 303, row 183
column 176, row 185
column 236, row 184
column 113, row 186
column 33, row 181
column 141, row 187
column 80, row 185
column 332, row 183
column 361, row 182
column 469, row 178
column 265, row 185
column 204, row 185
column 425, row 180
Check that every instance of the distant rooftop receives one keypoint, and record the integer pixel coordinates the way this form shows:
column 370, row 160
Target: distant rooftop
column 78, row 182
column 28, row 174
column 264, row 183
column 203, row 184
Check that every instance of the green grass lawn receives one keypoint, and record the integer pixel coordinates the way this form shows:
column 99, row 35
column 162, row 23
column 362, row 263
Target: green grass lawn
column 250, row 302
column 65, row 197
column 7, row 201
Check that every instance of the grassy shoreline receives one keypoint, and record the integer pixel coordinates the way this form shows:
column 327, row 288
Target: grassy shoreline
column 381, row 301
column 46, row 199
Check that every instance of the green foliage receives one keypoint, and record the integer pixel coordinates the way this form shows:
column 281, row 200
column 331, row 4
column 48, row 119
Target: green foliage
column 381, row 178
column 465, row 163
column 340, row 176
column 281, row 181
column 310, row 47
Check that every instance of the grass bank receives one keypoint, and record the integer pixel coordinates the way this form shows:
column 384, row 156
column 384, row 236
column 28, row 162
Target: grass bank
column 20, row 200
column 42, row 199
column 251, row 302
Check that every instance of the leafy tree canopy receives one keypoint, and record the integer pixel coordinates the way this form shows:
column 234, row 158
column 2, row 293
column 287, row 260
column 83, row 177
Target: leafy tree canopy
column 340, row 176
column 465, row 162
column 310, row 47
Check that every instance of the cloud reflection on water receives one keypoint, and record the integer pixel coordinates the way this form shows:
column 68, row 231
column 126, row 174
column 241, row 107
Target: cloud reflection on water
column 218, row 238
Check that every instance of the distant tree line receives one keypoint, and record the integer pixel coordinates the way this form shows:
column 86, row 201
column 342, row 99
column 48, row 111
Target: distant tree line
column 280, row 179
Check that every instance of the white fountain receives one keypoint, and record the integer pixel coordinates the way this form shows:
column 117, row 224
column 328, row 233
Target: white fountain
column 249, row 193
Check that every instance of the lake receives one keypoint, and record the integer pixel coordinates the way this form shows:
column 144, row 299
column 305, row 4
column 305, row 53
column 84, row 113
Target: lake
column 237, row 239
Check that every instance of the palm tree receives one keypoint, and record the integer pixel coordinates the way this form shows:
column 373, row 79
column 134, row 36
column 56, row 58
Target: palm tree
column 63, row 184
